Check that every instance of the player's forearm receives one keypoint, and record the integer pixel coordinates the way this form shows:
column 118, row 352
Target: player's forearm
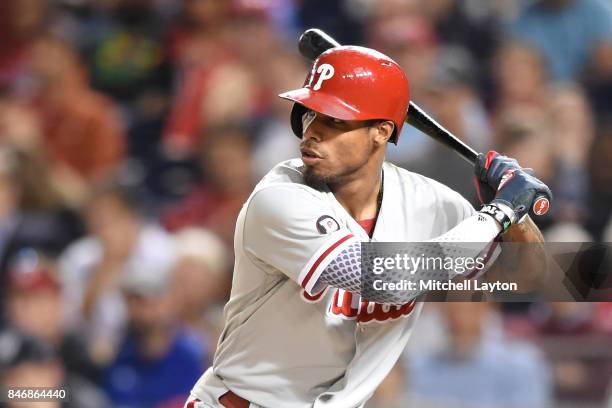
column 344, row 271
column 525, row 264
column 526, row 231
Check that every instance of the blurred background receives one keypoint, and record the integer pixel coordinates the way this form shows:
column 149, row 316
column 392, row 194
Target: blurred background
column 132, row 131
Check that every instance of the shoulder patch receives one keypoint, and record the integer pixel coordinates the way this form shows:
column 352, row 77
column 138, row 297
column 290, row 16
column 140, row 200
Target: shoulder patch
column 326, row 224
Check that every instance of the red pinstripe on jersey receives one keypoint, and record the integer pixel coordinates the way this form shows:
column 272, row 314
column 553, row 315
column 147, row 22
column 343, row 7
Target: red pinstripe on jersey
column 191, row 404
column 321, row 258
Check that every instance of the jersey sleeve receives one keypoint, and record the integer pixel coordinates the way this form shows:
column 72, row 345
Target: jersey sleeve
column 459, row 209
column 293, row 230
column 456, row 207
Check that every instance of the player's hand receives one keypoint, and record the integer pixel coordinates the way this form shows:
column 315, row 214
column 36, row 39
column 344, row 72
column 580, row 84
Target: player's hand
column 502, row 181
column 489, row 170
column 485, row 192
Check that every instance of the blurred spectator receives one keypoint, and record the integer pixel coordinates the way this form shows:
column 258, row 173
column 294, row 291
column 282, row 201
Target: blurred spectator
column 80, row 23
column 196, row 47
column 570, row 334
column 478, row 373
column 237, row 80
column 564, row 318
column 21, row 21
column 275, row 139
column 83, row 135
column 473, row 27
column 521, row 77
column 158, row 362
column 196, row 34
column 572, row 131
column 603, row 317
column 35, row 306
column 204, row 103
column 122, row 44
column 600, row 171
column 572, row 124
column 26, row 361
column 284, row 14
column 19, row 124
column 454, row 102
column 252, row 35
column 120, row 243
column 126, row 57
column 527, row 134
column 574, row 36
column 214, row 65
column 215, row 204
column 201, row 279
column 31, row 212
column 523, row 133
column 410, row 40
column 39, row 192
column 384, row 9
column 343, row 19
column 454, row 97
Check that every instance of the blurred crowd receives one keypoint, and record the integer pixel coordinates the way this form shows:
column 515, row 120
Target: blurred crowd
column 132, row 131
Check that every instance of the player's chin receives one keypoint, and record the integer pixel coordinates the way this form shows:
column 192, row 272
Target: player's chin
column 315, row 177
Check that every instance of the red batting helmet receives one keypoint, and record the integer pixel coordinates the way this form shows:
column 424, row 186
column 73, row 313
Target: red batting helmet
column 353, row 83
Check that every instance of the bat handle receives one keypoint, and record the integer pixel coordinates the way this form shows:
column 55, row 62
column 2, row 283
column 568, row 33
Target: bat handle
column 426, row 124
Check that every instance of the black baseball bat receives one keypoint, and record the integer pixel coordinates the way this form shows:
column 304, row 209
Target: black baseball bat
column 315, row 41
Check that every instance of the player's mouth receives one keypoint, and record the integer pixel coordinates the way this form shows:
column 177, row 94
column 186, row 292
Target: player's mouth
column 310, row 157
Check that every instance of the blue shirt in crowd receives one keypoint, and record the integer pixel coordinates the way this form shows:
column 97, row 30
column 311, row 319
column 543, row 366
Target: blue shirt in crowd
column 134, row 382
column 495, row 375
column 566, row 37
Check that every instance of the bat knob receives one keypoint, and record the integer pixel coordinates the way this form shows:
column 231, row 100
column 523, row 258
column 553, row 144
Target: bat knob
column 313, row 42
column 540, row 206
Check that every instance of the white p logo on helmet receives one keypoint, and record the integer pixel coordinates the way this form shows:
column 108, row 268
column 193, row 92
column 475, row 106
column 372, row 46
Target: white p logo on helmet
column 325, row 71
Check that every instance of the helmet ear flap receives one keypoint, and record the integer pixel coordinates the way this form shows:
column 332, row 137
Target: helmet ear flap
column 296, row 119
column 395, row 135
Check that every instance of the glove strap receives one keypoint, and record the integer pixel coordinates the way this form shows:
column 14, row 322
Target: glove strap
column 501, row 213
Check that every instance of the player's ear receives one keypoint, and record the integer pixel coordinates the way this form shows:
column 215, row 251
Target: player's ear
column 383, row 130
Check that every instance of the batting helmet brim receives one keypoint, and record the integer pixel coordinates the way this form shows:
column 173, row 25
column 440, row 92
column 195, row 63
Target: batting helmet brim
column 329, row 105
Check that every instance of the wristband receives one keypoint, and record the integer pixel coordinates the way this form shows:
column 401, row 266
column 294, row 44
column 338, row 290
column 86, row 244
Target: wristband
column 501, row 213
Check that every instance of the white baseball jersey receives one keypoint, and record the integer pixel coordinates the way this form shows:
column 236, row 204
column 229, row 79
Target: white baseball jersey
column 284, row 346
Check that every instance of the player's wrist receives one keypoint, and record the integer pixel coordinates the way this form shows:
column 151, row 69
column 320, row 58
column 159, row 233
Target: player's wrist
column 501, row 213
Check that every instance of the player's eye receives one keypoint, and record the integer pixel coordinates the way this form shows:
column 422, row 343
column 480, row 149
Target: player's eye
column 336, row 123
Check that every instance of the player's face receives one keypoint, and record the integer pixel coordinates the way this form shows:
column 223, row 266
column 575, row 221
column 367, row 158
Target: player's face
column 333, row 149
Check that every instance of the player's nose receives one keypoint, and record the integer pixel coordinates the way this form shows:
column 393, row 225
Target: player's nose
column 309, row 134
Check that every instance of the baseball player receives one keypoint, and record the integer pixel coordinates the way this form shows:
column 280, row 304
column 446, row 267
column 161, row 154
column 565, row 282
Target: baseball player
column 297, row 332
